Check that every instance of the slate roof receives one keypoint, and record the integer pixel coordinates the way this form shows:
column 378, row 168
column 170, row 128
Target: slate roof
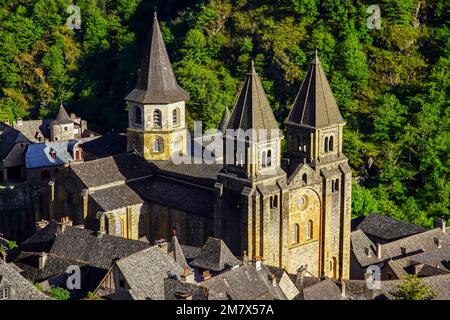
column 387, row 228
column 81, row 245
column 190, row 252
column 112, row 198
column 323, row 290
column 122, row 167
column 62, row 116
column 415, row 244
column 176, row 252
column 157, row 83
column 315, row 105
column 243, row 283
column 205, row 174
column 176, row 194
column 38, row 154
column 173, row 287
column 215, row 256
column 32, row 128
column 8, row 138
column 252, row 109
column 145, row 272
column 110, row 144
column 23, row 289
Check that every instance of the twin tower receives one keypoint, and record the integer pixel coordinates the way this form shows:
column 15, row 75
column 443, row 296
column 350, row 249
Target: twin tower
column 292, row 212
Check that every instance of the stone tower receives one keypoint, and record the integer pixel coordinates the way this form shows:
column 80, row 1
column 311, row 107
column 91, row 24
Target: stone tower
column 252, row 183
column 156, row 107
column 62, row 128
column 314, row 134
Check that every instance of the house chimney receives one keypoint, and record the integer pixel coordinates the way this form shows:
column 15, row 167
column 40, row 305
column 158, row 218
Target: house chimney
column 273, row 277
column 258, row 263
column 301, row 274
column 368, row 252
column 206, row 275
column 379, row 250
column 438, row 242
column 417, row 267
column 164, row 245
column 187, row 276
column 60, row 228
column 404, row 251
column 441, row 223
column 19, row 122
column 42, row 260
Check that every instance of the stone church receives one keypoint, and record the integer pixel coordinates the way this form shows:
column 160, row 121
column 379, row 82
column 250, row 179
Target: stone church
column 291, row 212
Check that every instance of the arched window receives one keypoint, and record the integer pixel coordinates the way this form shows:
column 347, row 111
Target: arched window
column 275, row 201
column 326, row 145
column 331, row 144
column 45, row 174
column 305, row 178
column 176, row 117
column 309, row 230
column 157, row 121
column 332, row 185
column 295, row 233
column 119, row 227
column 264, row 159
column 269, row 158
column 336, row 185
column 137, row 116
column 158, row 145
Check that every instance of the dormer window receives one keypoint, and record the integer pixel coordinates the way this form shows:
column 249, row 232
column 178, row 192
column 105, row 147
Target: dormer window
column 52, row 153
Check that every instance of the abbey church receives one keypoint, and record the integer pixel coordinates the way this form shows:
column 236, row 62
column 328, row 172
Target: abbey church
column 291, row 212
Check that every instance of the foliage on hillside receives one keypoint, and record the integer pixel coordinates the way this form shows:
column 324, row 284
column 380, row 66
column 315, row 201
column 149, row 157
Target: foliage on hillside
column 391, row 84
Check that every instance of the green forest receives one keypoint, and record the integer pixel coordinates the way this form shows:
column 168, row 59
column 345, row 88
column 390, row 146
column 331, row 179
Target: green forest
column 392, row 84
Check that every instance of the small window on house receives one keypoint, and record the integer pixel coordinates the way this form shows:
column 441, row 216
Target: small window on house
column 65, row 128
column 336, row 185
column 309, row 230
column 45, row 175
column 119, row 227
column 295, row 233
column 158, row 145
column 137, row 116
column 157, row 122
column 176, row 117
column 326, row 144
column 275, row 201
column 269, row 158
column 305, row 178
column 52, row 153
column 332, row 185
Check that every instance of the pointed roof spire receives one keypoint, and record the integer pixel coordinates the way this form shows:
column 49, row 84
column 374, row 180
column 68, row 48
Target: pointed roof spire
column 62, row 117
column 225, row 119
column 252, row 109
column 315, row 105
column 157, row 83
column 176, row 253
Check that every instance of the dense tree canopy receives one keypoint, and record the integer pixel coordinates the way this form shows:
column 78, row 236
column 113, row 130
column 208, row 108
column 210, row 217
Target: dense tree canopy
column 391, row 84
